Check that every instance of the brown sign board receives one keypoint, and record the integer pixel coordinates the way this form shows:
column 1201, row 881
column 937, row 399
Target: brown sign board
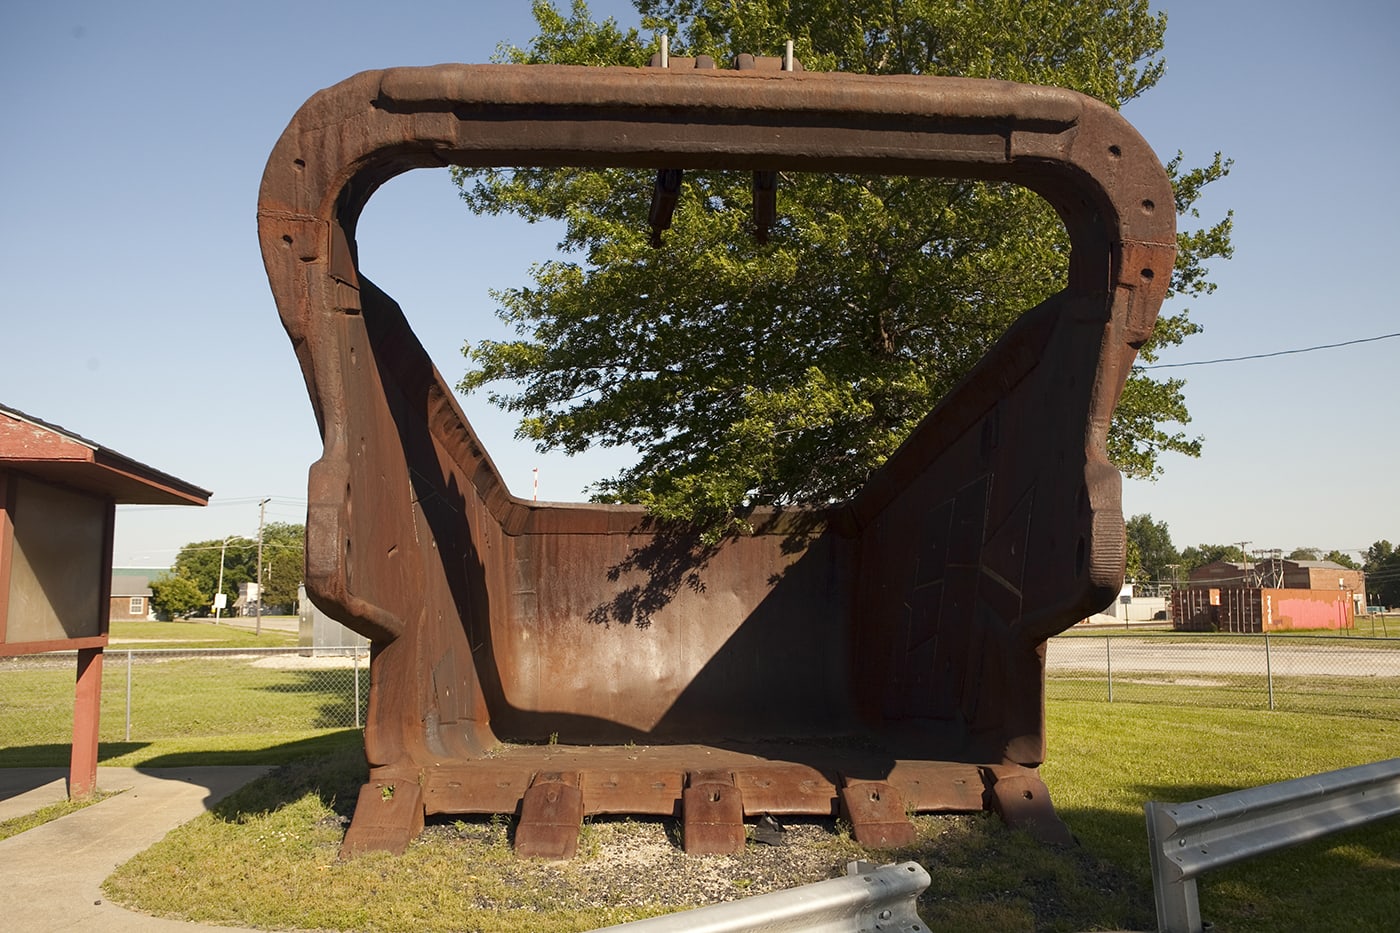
column 528, row 655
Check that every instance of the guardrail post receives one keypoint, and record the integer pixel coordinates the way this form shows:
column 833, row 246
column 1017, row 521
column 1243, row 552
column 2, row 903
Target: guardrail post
column 1178, row 907
column 1185, row 840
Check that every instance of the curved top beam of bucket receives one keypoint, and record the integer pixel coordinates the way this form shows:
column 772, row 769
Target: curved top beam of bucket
column 347, row 140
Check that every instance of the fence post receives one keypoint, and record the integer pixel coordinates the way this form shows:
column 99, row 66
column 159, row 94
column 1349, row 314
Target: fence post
column 356, row 653
column 1269, row 670
column 128, row 694
column 1108, row 657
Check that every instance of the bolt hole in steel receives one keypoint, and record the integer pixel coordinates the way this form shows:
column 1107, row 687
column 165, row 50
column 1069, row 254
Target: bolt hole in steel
column 714, row 796
column 1028, row 795
column 886, row 914
column 1148, row 206
column 1115, row 151
column 1148, row 275
column 875, row 796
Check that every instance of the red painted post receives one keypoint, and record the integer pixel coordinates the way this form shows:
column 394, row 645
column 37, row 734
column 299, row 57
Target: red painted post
column 87, row 708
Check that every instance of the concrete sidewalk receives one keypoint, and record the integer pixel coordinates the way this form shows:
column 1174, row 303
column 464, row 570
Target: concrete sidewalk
column 53, row 873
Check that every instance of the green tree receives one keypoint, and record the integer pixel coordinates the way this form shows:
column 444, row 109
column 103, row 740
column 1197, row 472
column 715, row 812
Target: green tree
column 1151, row 542
column 174, row 597
column 1338, row 557
column 1383, row 573
column 284, row 557
column 200, row 563
column 1303, row 553
column 1201, row 554
column 786, row 372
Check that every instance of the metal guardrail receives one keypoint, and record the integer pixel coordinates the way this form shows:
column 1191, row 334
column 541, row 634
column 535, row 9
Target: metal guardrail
column 867, row 900
column 1188, row 839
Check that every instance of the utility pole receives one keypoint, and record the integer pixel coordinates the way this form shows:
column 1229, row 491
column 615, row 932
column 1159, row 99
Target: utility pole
column 220, row 589
column 1247, row 572
column 262, row 513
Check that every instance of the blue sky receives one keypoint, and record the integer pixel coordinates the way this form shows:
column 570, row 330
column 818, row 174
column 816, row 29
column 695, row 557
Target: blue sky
column 136, row 312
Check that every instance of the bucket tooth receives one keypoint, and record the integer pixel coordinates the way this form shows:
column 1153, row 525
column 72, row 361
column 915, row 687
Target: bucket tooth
column 388, row 815
column 876, row 812
column 713, row 814
column 551, row 815
column 1023, row 802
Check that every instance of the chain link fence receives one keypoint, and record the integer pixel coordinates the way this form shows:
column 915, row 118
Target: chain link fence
column 1344, row 674
column 179, row 693
column 164, row 694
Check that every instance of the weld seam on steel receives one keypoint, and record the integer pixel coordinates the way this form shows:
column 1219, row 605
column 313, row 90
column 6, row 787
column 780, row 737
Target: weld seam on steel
column 1186, row 840
column 880, row 899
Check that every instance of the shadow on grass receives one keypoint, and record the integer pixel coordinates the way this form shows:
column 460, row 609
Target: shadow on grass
column 332, row 771
column 57, row 756
column 317, row 747
column 337, row 687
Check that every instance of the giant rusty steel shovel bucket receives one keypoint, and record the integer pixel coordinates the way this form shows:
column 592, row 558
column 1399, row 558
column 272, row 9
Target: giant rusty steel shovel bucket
column 875, row 658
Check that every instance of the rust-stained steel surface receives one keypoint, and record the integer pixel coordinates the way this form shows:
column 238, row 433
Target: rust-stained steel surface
column 888, row 649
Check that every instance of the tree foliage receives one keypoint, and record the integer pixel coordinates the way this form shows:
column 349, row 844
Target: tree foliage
column 786, row 372
column 1199, row 555
column 174, row 596
column 1151, row 554
column 199, row 562
column 1344, row 559
column 284, row 557
column 1383, row 573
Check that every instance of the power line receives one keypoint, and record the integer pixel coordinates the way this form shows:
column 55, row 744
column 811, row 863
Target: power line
column 1264, row 356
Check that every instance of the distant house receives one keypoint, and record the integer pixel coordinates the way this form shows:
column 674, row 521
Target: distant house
column 1221, row 573
column 1273, row 595
column 131, row 593
column 1311, row 575
column 247, row 601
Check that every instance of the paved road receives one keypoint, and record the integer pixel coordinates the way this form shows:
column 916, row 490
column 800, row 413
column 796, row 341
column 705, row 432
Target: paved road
column 269, row 623
column 1285, row 659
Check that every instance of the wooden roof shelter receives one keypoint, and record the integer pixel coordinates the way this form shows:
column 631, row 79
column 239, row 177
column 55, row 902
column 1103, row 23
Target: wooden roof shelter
column 58, row 497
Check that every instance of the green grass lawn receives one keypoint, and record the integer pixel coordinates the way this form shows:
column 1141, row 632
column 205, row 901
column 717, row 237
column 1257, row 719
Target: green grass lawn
column 1105, row 761
column 1160, row 740
column 211, row 702
column 189, row 634
column 173, row 698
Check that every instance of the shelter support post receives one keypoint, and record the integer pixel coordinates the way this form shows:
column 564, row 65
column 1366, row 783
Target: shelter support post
column 87, row 710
